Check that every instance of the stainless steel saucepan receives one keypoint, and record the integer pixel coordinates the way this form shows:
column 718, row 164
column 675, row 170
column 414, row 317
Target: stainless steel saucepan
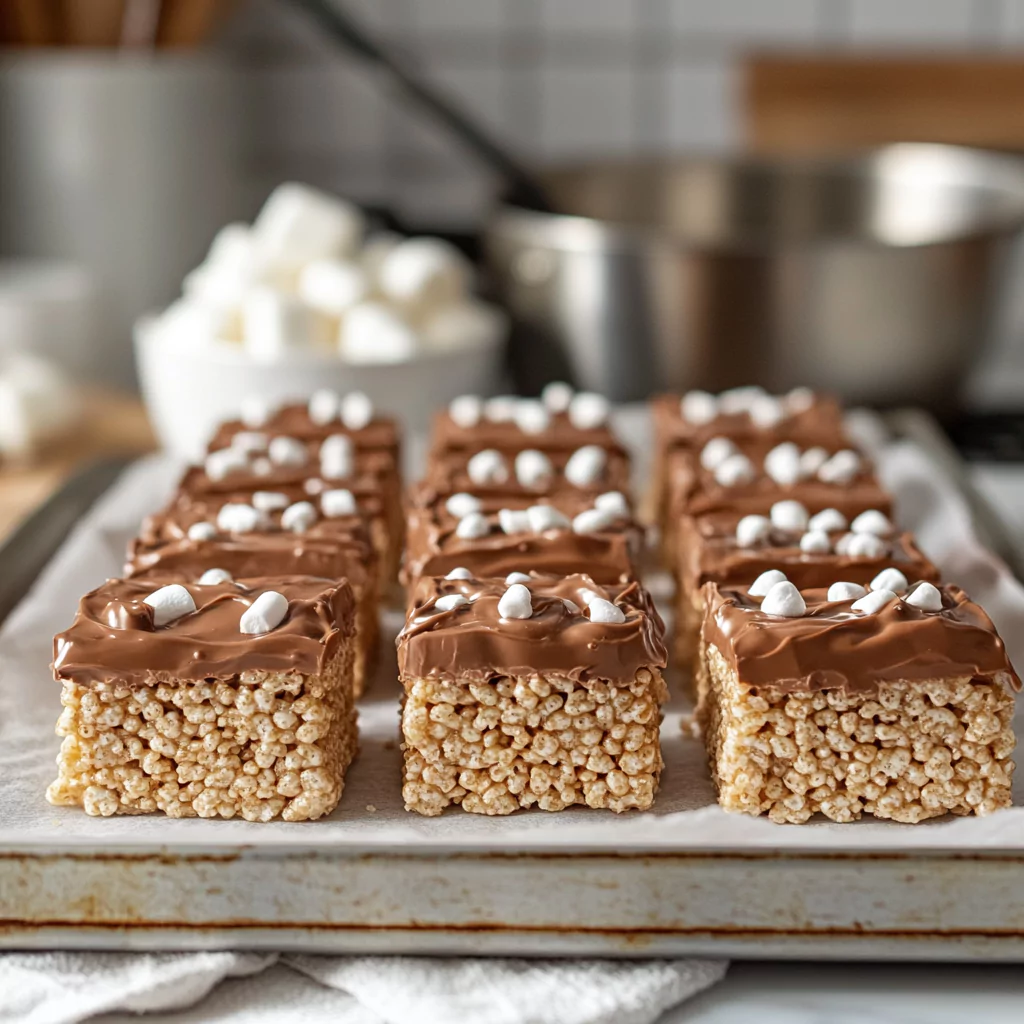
column 878, row 277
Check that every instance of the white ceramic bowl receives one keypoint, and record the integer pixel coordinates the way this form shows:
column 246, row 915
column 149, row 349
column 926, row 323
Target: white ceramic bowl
column 190, row 389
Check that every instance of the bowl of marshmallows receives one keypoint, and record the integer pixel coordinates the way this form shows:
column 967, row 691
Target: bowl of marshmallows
column 304, row 299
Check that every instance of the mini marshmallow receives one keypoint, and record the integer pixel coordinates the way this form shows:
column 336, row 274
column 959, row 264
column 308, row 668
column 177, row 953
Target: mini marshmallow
column 872, row 521
column 269, row 501
column 586, row 465
column 473, row 527
column 864, row 545
column 516, row 577
column 752, row 530
column 501, row 409
column 925, row 596
column 237, row 517
column 332, row 286
column 841, row 468
column 784, row 600
column 337, row 457
column 716, row 451
column 789, row 515
column 513, row 520
column 516, row 603
column 314, row 486
column 323, row 406
column 587, row 595
column 338, row 502
column 604, row 611
column 812, row 460
column 890, row 579
column 845, row 592
column 571, row 606
column 255, row 411
column 533, row 468
column 275, row 323
column 356, row 410
column 424, row 272
column 782, row 464
column 735, row 470
column 766, row 411
column 740, row 399
column 459, row 573
column 873, row 602
column 765, row 582
column 202, row 531
column 488, row 467
column 466, row 410
column 588, row 410
column 799, row 399
column 450, row 602
column 592, row 520
column 532, row 417
column 220, row 464
column 287, row 451
column 262, row 467
column 831, row 520
column 250, row 441
column 212, row 576
column 698, row 407
column 462, row 504
column 170, row 603
column 374, row 333
column 613, row 502
column 843, row 544
column 267, row 612
column 556, row 396
column 298, row 224
column 815, row 542
column 545, row 517
column 298, row 517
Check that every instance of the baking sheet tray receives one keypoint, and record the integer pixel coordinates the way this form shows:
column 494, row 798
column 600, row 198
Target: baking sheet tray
column 683, row 878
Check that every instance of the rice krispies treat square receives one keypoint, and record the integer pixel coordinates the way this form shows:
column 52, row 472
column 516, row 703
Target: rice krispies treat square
column 493, row 536
column 191, row 716
column 544, row 696
column 811, row 550
column 272, row 537
column 902, row 711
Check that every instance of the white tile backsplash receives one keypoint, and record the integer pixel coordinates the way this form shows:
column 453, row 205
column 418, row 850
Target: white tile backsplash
column 587, row 16
column 586, row 112
column 917, row 24
column 744, row 22
column 702, row 106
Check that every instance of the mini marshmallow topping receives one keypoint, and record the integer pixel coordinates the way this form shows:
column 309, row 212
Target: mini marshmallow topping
column 815, row 542
column 269, row 501
column 501, row 409
column 338, row 502
column 841, row 468
column 462, row 504
column 587, row 595
column 831, row 520
column 698, row 407
column 812, row 460
column 170, row 603
column 298, row 518
column 872, row 521
column 766, row 411
column 737, row 400
column 212, row 576
column 533, row 468
column 473, row 527
column 753, row 530
column 890, row 579
column 782, row 464
column 873, row 602
column 516, row 603
column 532, row 417
column 459, row 573
column 323, row 406
column 864, row 545
column 487, row 467
column 799, row 399
column 255, row 411
column 613, row 502
column 287, row 451
column 765, row 582
column 356, row 410
column 450, row 602
column 571, row 606
column 202, row 531
column 466, row 411
column 337, row 457
column 516, row 577
column 601, row 610
column 250, row 441
column 925, row 596
column 784, row 600
column 236, row 517
column 220, row 464
column 513, row 520
column 557, row 395
column 267, row 612
column 545, row 517
column 789, row 515
column 845, row 592
column 586, row 465
column 588, row 410
column 735, row 470
column 716, row 451
column 592, row 520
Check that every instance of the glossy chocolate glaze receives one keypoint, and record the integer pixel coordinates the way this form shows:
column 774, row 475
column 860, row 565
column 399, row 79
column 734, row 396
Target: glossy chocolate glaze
column 474, row 642
column 113, row 638
column 432, row 547
column 833, row 647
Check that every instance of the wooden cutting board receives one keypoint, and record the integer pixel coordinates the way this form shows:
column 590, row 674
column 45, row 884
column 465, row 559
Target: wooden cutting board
column 811, row 104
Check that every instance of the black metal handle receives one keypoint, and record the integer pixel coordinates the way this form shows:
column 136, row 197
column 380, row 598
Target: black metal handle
column 523, row 189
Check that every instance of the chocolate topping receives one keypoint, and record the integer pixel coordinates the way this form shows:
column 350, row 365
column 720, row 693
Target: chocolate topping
column 832, row 647
column 473, row 641
column 433, row 548
column 113, row 638
column 559, row 436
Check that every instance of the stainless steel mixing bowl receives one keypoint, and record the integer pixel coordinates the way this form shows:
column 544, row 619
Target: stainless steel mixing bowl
column 878, row 277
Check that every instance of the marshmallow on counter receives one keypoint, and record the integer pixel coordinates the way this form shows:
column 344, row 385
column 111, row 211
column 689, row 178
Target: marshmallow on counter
column 372, row 332
column 332, row 287
column 299, row 224
column 275, row 323
column 424, row 273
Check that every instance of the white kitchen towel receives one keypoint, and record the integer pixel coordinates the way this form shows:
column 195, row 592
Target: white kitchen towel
column 60, row 988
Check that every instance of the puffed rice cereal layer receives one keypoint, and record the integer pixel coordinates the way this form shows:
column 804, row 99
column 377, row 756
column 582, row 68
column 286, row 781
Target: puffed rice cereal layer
column 532, row 741
column 271, row 745
column 911, row 751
